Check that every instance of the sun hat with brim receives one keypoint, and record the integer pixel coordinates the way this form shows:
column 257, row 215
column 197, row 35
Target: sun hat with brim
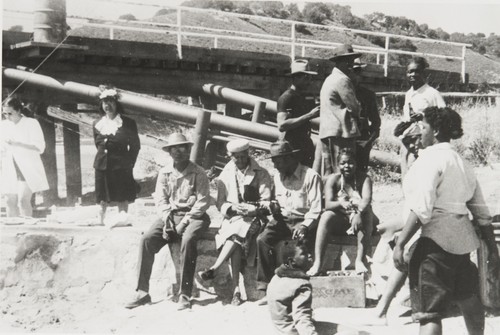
column 282, row 148
column 344, row 51
column 176, row 139
column 108, row 93
column 358, row 65
column 300, row 66
column 237, row 145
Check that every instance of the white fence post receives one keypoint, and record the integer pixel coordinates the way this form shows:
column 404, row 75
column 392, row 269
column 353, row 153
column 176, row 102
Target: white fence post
column 111, row 33
column 303, row 51
column 464, row 48
column 292, row 56
column 179, row 32
column 216, row 42
column 386, row 59
column 378, row 59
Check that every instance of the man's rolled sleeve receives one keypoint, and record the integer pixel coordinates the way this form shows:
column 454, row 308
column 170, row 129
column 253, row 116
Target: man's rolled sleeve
column 314, row 194
column 203, row 199
column 162, row 199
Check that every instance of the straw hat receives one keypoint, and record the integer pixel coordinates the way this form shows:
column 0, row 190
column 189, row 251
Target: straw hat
column 176, row 139
column 282, row 148
column 343, row 51
column 300, row 66
column 358, row 65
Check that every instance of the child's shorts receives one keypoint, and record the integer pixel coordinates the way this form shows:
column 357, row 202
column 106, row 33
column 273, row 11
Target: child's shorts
column 437, row 277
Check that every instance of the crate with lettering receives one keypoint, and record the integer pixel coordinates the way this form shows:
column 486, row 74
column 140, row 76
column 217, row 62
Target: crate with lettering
column 339, row 289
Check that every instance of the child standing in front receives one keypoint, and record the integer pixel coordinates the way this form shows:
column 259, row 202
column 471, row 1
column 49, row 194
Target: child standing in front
column 289, row 295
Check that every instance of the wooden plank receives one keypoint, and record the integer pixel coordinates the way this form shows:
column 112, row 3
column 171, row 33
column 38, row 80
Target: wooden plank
column 72, row 159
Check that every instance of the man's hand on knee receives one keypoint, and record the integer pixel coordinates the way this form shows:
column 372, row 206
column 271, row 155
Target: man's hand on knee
column 300, row 232
column 181, row 227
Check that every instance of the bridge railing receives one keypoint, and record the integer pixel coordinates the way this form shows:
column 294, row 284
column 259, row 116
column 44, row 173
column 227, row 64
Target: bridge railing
column 180, row 30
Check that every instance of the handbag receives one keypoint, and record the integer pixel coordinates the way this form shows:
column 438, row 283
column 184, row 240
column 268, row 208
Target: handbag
column 489, row 282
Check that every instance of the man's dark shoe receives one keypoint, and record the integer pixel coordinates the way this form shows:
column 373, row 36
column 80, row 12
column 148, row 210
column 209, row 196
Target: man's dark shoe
column 184, row 302
column 139, row 302
column 236, row 301
column 207, row 274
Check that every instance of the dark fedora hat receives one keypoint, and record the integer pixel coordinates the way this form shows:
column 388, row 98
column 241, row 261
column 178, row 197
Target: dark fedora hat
column 282, row 148
column 176, row 139
column 343, row 51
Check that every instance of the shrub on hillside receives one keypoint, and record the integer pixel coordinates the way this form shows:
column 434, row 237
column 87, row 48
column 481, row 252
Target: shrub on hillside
column 127, row 17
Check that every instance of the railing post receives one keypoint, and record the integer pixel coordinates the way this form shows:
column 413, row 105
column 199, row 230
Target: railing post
column 464, row 48
column 200, row 136
column 215, row 42
column 292, row 56
column 179, row 34
column 111, row 33
column 303, row 51
column 386, row 59
column 378, row 59
column 49, row 158
column 258, row 111
column 72, row 159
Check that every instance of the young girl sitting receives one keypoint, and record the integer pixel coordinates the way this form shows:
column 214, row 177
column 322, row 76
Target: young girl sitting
column 348, row 197
column 289, row 295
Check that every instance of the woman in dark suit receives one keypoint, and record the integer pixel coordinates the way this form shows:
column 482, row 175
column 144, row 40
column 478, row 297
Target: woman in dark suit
column 118, row 145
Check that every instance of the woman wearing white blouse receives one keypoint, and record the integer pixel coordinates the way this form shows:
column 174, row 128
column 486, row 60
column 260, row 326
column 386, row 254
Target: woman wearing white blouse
column 22, row 142
column 440, row 190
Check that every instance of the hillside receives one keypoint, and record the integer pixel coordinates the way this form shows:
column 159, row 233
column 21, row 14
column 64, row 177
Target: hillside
column 481, row 68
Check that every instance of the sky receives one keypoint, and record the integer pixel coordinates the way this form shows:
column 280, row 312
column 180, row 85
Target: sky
column 465, row 16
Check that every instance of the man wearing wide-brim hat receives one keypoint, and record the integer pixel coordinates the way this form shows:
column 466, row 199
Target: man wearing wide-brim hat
column 339, row 108
column 182, row 196
column 295, row 111
column 297, row 191
column 369, row 118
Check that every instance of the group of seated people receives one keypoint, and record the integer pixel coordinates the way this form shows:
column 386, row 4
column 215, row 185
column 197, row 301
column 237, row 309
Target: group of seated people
column 259, row 210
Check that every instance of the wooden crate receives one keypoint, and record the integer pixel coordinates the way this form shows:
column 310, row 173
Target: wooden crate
column 341, row 289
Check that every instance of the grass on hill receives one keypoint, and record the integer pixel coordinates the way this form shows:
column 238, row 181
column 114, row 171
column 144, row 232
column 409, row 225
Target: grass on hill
column 481, row 68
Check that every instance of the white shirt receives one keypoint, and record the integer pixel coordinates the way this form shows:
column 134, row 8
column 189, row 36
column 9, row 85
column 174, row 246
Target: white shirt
column 299, row 195
column 425, row 96
column 441, row 189
column 27, row 131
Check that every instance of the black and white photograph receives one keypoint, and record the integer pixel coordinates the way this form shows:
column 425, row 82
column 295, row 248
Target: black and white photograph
column 189, row 167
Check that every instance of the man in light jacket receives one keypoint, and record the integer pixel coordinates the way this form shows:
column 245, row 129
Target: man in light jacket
column 339, row 109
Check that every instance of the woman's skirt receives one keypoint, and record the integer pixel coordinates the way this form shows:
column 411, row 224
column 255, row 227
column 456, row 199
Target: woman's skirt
column 243, row 231
column 115, row 186
column 235, row 226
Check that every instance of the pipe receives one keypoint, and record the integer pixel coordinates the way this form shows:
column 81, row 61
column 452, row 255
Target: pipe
column 134, row 102
column 242, row 98
column 175, row 111
column 246, row 100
